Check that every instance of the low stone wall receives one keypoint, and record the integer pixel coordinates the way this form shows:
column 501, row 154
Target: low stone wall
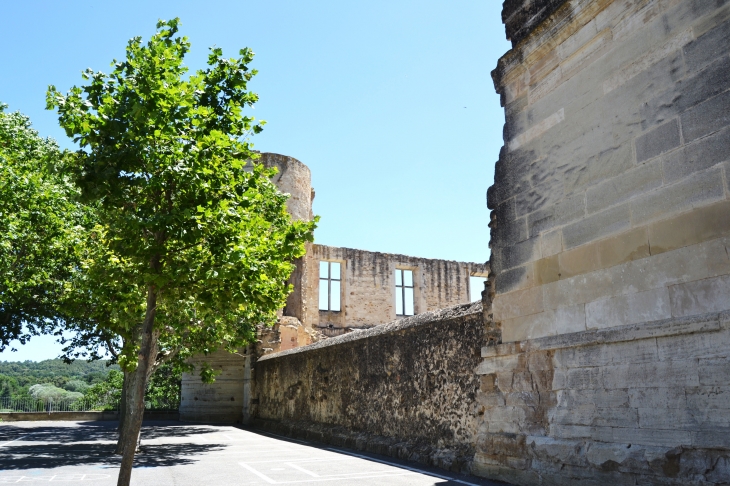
column 79, row 416
column 638, row 404
column 405, row 389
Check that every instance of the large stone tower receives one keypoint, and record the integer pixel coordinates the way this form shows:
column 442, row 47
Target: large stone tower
column 610, row 246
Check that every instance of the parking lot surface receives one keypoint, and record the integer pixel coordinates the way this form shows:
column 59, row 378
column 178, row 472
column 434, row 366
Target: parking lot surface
column 175, row 453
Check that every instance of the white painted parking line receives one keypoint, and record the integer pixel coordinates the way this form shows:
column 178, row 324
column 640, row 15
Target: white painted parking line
column 421, row 471
column 58, row 478
column 341, row 477
column 11, row 441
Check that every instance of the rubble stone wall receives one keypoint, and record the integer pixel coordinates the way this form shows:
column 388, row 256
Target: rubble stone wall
column 407, row 388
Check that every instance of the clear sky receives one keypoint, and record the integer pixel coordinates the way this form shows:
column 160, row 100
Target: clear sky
column 389, row 103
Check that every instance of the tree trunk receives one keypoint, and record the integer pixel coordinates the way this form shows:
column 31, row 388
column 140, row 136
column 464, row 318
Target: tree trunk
column 122, row 407
column 132, row 423
column 123, row 413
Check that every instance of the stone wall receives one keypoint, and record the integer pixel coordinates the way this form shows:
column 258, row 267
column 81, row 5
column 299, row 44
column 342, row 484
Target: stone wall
column 636, row 404
column 218, row 402
column 611, row 247
column 611, row 197
column 368, row 286
column 406, row 388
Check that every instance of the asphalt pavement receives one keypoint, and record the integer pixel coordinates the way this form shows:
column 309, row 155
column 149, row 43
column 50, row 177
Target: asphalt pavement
column 177, row 453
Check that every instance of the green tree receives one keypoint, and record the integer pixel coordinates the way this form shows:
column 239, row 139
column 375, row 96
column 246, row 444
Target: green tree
column 40, row 223
column 193, row 244
column 107, row 392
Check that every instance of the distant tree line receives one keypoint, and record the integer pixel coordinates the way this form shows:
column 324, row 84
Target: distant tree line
column 99, row 381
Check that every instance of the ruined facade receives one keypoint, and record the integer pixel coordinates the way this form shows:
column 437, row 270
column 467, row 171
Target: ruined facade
column 335, row 291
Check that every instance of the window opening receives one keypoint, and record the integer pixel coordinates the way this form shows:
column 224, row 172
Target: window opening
column 403, row 292
column 329, row 286
column 476, row 285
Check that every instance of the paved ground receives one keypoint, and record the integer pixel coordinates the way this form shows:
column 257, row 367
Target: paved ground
column 177, row 453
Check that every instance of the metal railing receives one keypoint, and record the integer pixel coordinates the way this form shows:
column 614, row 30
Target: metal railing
column 33, row 405
column 49, row 405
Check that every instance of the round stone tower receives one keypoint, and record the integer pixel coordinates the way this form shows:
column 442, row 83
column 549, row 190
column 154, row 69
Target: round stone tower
column 294, row 178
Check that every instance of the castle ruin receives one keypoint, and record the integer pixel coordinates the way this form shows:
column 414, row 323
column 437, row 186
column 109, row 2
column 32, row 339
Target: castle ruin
column 600, row 351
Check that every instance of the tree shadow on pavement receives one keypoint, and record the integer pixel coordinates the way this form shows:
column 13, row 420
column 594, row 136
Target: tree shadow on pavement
column 93, row 443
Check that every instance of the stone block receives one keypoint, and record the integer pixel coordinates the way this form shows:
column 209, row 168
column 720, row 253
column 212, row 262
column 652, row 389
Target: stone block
column 625, row 186
column 508, row 233
column 651, row 305
column 507, row 415
column 642, row 63
column 668, row 418
column 657, row 141
column 699, row 155
column 714, row 371
column 647, row 375
column 695, row 190
column 596, row 417
column 522, row 399
column 708, row 47
column 515, row 279
column 500, row 364
column 713, row 438
column 638, row 351
column 560, row 431
column 707, row 117
column 687, row 93
column 606, row 253
column 517, row 303
column 567, row 210
column 578, row 378
column 648, row 437
column 700, row 296
column 547, row 190
column 570, row 319
column 504, row 258
column 709, row 398
column 696, row 226
column 607, row 163
column 586, row 398
column 579, row 260
column 658, row 398
column 528, row 327
column 559, row 451
column 597, row 226
column 685, row 264
column 700, row 345
column 547, row 270
column 558, row 321
column 599, row 454
column 551, row 243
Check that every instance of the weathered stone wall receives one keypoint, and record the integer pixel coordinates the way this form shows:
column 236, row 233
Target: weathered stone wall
column 218, row 402
column 611, row 197
column 611, row 247
column 638, row 404
column 368, row 286
column 406, row 388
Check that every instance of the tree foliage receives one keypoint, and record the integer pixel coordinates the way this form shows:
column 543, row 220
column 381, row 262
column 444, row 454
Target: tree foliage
column 192, row 244
column 40, row 224
column 183, row 216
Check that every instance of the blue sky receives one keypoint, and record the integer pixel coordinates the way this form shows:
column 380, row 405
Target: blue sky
column 390, row 103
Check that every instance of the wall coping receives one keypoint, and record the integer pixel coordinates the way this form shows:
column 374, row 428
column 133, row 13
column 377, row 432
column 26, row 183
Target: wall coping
column 521, row 17
column 449, row 313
